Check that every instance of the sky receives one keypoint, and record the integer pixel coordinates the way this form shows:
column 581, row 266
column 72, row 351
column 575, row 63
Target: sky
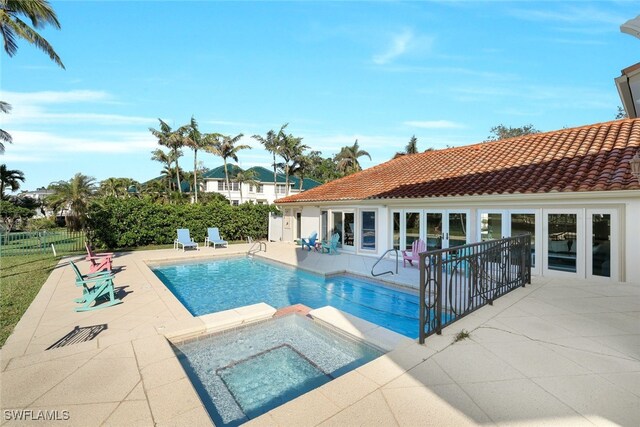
column 378, row 72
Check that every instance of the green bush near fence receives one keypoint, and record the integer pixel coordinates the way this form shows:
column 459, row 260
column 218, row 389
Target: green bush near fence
column 131, row 222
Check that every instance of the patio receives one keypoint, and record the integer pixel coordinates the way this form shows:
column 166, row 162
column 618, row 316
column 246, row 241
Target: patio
column 557, row 351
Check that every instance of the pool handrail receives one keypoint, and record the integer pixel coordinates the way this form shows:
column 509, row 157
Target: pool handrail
column 253, row 250
column 381, row 258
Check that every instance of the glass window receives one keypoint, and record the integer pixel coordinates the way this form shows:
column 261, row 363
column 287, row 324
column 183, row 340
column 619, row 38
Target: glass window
column 457, row 229
column 562, row 242
column 349, row 228
column 412, row 228
column 221, row 186
column 601, row 245
column 523, row 223
column 490, row 226
column 324, row 226
column 260, row 188
column 396, row 230
column 337, row 226
column 234, row 203
column 250, row 188
column 434, row 231
column 368, row 235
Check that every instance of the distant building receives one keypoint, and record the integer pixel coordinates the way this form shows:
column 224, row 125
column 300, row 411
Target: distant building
column 262, row 193
column 39, row 195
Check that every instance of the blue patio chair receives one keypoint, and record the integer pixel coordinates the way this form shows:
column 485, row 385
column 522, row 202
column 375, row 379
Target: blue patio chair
column 94, row 287
column 310, row 242
column 332, row 245
column 184, row 239
column 213, row 237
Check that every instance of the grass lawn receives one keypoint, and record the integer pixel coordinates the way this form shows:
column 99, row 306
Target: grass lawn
column 21, row 277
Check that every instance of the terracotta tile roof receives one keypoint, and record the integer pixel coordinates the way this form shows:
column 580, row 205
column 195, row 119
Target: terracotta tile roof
column 588, row 158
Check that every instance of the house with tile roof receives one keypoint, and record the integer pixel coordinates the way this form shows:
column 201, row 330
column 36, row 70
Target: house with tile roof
column 572, row 189
column 263, row 193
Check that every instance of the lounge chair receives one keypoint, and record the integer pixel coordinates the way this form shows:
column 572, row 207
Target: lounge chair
column 184, row 239
column 332, row 245
column 94, row 286
column 416, row 247
column 213, row 237
column 310, row 242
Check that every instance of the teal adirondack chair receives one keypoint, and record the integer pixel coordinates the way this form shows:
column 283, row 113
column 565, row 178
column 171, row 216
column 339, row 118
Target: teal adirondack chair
column 310, row 242
column 94, row 286
column 332, row 245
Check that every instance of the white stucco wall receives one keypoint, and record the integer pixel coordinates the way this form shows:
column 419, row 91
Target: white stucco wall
column 625, row 205
column 631, row 230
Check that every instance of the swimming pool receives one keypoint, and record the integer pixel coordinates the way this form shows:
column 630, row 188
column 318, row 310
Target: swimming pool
column 224, row 284
column 242, row 373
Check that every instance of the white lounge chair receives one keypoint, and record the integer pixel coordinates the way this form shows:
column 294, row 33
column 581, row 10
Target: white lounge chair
column 184, row 239
column 213, row 237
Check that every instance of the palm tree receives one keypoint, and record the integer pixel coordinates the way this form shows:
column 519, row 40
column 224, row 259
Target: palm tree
column 348, row 158
column 74, row 195
column 167, row 159
column 5, row 107
column 225, row 147
column 173, row 140
column 301, row 165
column 290, row 149
column 40, row 13
column 412, row 145
column 411, row 148
column 116, row 187
column 197, row 141
column 246, row 177
column 272, row 145
column 9, row 178
column 109, row 187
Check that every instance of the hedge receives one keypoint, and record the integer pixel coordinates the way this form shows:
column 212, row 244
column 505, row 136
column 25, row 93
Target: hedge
column 130, row 222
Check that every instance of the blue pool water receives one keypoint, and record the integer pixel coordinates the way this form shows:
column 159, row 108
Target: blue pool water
column 230, row 283
column 243, row 373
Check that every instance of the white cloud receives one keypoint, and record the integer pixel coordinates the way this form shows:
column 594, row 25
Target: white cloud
column 402, row 44
column 434, row 124
column 34, row 108
column 36, row 146
column 399, row 44
column 54, row 97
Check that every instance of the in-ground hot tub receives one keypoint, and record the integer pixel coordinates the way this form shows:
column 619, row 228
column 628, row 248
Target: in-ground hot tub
column 244, row 372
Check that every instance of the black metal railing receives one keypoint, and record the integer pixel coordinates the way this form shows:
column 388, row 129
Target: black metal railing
column 457, row 281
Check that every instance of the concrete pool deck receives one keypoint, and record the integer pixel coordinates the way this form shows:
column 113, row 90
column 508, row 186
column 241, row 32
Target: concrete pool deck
column 557, row 351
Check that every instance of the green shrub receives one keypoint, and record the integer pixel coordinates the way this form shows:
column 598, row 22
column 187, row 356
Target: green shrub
column 131, row 222
column 35, row 224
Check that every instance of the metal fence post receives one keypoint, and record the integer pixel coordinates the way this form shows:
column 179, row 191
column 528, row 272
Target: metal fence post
column 423, row 268
column 439, row 294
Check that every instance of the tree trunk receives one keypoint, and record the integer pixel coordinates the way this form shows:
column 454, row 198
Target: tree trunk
column 275, row 187
column 195, row 169
column 226, row 178
column 286, row 179
column 178, row 175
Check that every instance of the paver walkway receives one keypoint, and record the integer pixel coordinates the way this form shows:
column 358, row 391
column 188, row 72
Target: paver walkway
column 555, row 352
